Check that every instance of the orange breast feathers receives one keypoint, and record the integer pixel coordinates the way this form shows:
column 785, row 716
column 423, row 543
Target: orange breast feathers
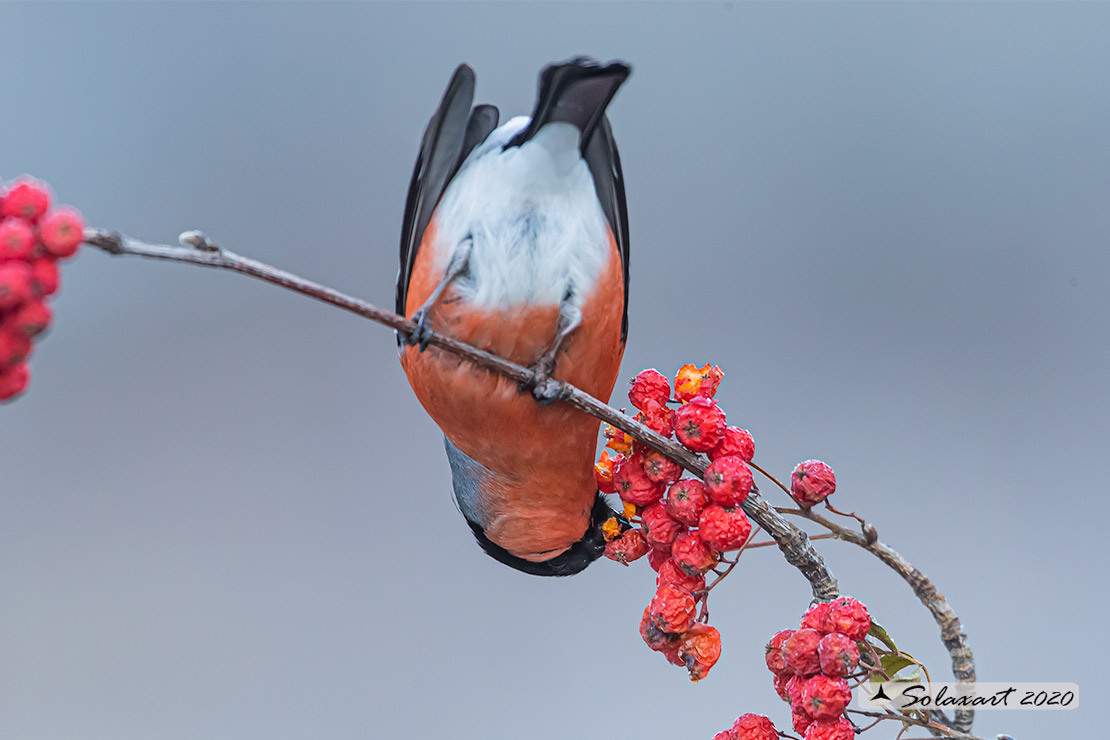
column 541, row 457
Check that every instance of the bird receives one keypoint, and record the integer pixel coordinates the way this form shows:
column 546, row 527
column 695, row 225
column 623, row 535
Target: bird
column 515, row 240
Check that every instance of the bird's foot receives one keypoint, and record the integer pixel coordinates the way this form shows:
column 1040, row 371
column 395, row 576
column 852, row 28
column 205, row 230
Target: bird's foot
column 545, row 389
column 422, row 334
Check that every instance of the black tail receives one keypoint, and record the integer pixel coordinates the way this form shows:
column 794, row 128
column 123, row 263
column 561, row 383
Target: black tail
column 574, row 92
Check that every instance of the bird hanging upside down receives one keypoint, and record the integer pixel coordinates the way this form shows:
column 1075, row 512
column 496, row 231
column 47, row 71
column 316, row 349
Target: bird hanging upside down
column 515, row 240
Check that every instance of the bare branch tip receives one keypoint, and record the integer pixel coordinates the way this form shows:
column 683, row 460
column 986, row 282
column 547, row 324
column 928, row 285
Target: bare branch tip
column 197, row 240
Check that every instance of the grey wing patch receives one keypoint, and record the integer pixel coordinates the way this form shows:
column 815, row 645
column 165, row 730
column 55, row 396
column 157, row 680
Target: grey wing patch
column 467, row 478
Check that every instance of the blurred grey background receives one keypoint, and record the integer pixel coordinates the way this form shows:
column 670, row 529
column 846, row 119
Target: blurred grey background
column 223, row 514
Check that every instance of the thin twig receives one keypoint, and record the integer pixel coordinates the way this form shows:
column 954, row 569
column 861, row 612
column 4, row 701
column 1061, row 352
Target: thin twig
column 933, row 727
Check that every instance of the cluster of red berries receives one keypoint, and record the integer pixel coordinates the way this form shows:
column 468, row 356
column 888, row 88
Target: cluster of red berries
column 813, row 663
column 32, row 240
column 684, row 524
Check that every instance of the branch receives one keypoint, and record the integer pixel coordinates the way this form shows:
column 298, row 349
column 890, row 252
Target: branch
column 198, row 250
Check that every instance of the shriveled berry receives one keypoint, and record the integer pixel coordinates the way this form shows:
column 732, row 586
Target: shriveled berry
column 657, row 417
column 660, row 529
column 723, row 528
column 840, row 729
column 795, row 694
column 15, row 347
column 814, row 618
column 729, row 480
column 62, row 231
column 627, row 547
column 649, row 384
column 657, row 557
column 670, row 573
column 692, row 555
column 15, row 284
column 30, row 319
column 736, row 442
column 692, row 381
column 724, row 735
column 686, row 499
column 632, row 483
column 775, row 662
column 799, row 652
column 44, row 277
column 754, row 727
column 825, row 697
column 656, row 638
column 801, row 721
column 16, row 239
column 26, row 198
column 13, row 381
column 780, row 680
column 849, row 617
column 661, row 468
column 616, row 440
column 603, row 471
column 699, row 424
column 700, row 650
column 839, row 655
column 673, row 609
column 812, row 482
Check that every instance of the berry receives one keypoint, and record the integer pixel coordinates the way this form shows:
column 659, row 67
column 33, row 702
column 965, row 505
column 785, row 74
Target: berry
column 616, row 440
column 660, row 529
column 826, row 698
column 16, row 239
column 723, row 528
column 754, row 727
column 795, row 694
column 775, row 662
column 849, row 617
column 685, row 500
column 799, row 652
column 603, row 471
column 632, row 483
column 13, row 381
column 15, row 347
column 44, row 277
column 660, row 468
column 729, row 480
column 671, row 574
column 26, row 199
column 15, row 284
column 840, row 729
column 657, row 557
column 656, row 638
column 691, row 382
column 736, row 442
column 780, row 680
column 700, row 650
column 812, row 482
column 801, row 721
column 672, row 609
column 657, row 418
column 814, row 619
column 692, row 555
column 30, row 319
column 724, row 735
column 62, row 231
column 649, row 384
column 839, row 655
column 699, row 424
column 628, row 547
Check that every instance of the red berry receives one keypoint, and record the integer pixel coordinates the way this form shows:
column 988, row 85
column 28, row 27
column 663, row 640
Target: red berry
column 657, row 418
column 685, row 500
column 795, row 694
column 849, row 617
column 656, row 638
column 649, row 384
column 660, row 468
column 30, row 319
column 16, row 239
column 775, row 662
column 699, row 424
column 754, row 727
column 15, row 284
column 826, row 698
column 801, row 721
column 632, row 483
column 26, row 198
column 62, row 231
column 723, row 528
column 671, row 574
column 673, row 609
column 691, row 382
column 736, row 442
column 729, row 480
column 692, row 555
column 724, row 735
column 700, row 650
column 799, row 652
column 814, row 619
column 628, row 547
column 603, row 471
column 839, row 655
column 840, row 729
column 660, row 529
column 15, row 347
column 780, row 680
column 812, row 482
column 13, row 381
column 44, row 277
column 657, row 557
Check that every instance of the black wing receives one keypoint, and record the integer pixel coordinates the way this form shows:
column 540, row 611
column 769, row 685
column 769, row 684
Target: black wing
column 452, row 133
column 605, row 165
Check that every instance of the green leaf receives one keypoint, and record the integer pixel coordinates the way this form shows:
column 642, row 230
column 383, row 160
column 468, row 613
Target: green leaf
column 894, row 663
column 881, row 635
